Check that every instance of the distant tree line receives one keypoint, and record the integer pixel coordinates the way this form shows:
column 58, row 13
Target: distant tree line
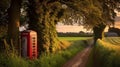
column 73, row 34
column 115, row 30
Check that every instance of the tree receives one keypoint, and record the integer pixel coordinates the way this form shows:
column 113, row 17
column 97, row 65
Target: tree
column 108, row 15
column 96, row 14
column 43, row 16
column 13, row 22
column 115, row 30
column 4, row 4
column 90, row 15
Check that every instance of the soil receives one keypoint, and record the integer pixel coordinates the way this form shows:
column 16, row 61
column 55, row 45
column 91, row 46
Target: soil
column 80, row 60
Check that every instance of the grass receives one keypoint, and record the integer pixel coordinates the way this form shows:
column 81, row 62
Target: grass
column 46, row 60
column 113, row 40
column 12, row 60
column 58, row 59
column 90, row 60
column 108, row 54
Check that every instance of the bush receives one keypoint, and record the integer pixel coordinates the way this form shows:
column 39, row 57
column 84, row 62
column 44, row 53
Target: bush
column 45, row 60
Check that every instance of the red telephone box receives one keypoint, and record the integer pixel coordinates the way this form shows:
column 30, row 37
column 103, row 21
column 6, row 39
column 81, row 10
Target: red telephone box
column 29, row 44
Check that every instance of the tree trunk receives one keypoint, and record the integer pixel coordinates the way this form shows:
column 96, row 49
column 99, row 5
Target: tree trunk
column 13, row 22
column 98, row 32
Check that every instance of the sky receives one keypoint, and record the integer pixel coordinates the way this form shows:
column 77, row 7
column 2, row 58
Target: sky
column 70, row 28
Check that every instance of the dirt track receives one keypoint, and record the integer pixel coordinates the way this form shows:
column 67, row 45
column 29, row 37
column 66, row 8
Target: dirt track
column 80, row 59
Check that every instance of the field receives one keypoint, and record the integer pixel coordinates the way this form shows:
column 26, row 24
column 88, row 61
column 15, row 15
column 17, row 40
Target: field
column 74, row 38
column 106, row 53
column 113, row 40
column 57, row 59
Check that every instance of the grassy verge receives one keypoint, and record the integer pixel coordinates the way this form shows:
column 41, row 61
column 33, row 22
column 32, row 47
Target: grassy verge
column 58, row 59
column 45, row 60
column 106, row 53
column 12, row 60
column 109, row 54
column 90, row 59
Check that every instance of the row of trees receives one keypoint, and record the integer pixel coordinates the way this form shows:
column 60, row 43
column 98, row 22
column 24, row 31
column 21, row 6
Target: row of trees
column 115, row 30
column 43, row 16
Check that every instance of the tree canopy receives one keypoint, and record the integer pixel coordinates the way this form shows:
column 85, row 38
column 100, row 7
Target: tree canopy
column 93, row 12
column 43, row 15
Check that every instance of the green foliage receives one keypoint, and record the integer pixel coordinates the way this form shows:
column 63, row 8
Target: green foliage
column 45, row 60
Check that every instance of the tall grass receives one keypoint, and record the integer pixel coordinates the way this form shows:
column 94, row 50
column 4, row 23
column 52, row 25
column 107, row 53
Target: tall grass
column 58, row 59
column 12, row 60
column 45, row 60
column 90, row 62
column 108, row 54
